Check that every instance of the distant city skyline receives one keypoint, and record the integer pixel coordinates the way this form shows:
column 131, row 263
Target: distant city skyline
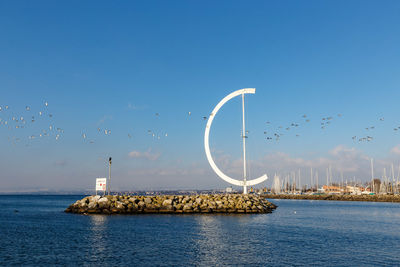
column 134, row 80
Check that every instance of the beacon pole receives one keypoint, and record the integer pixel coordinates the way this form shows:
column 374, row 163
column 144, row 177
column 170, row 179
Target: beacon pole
column 244, row 150
column 109, row 174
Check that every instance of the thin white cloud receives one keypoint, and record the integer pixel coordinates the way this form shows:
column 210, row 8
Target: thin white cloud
column 353, row 163
column 341, row 159
column 144, row 155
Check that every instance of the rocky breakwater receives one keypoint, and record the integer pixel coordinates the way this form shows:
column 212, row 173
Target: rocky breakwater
column 171, row 204
column 372, row 198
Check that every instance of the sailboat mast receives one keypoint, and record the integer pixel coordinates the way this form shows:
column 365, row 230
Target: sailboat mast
column 244, row 149
column 392, row 179
column 341, row 174
column 372, row 176
column 384, row 178
column 397, row 179
column 327, row 177
column 311, row 179
column 299, row 181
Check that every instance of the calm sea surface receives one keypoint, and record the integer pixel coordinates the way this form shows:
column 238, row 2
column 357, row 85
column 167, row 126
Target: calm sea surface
column 298, row 233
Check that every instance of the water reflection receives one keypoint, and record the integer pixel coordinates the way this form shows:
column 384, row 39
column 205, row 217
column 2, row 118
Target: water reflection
column 97, row 233
column 221, row 237
column 211, row 241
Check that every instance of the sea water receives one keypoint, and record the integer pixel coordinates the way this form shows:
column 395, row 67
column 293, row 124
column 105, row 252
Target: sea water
column 34, row 230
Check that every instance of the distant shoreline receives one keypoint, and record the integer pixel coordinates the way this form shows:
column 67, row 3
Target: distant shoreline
column 370, row 198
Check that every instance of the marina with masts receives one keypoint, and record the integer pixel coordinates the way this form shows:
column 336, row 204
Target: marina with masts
column 334, row 183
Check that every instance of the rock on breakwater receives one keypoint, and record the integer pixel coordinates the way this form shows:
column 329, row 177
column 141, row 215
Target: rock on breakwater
column 372, row 198
column 172, row 204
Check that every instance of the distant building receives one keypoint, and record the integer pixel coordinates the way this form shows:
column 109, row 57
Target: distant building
column 229, row 189
column 358, row 190
column 332, row 189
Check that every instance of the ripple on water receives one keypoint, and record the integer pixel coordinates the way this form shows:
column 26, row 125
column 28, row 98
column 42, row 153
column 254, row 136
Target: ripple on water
column 299, row 232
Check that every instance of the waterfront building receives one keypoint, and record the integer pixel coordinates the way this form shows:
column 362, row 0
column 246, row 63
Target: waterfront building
column 332, row 189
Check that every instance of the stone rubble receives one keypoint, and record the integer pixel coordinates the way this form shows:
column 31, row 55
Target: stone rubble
column 172, row 204
column 372, row 198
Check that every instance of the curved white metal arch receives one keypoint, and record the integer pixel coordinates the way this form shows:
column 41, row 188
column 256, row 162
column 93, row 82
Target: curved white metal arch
column 207, row 145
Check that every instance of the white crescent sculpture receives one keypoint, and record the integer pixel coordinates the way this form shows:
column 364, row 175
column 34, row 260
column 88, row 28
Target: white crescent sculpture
column 225, row 177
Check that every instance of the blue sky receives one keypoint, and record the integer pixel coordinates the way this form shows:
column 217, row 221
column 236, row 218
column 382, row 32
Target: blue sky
column 114, row 65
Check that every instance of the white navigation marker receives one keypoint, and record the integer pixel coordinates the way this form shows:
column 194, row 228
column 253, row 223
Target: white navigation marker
column 222, row 175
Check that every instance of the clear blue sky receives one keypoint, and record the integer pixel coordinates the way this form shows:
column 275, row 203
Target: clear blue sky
column 114, row 65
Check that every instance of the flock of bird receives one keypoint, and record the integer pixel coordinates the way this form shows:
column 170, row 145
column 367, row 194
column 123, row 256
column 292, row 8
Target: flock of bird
column 12, row 121
column 99, row 130
column 19, row 122
column 324, row 123
column 279, row 132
